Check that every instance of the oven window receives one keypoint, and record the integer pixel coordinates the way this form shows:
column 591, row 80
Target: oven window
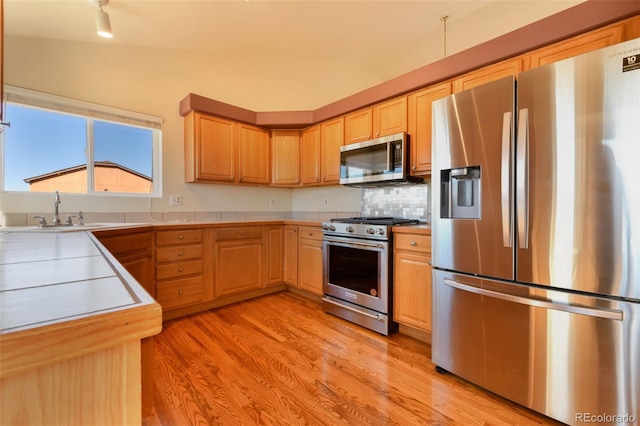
column 355, row 269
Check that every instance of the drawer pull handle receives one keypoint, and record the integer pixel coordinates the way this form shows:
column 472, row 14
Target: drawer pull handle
column 413, row 243
column 180, row 253
column 180, row 292
column 242, row 233
column 180, row 237
column 311, row 234
column 180, row 269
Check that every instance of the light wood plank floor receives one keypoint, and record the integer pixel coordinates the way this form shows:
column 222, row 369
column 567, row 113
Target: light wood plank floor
column 280, row 360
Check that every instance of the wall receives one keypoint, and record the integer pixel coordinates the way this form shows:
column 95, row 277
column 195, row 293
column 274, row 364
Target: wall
column 153, row 81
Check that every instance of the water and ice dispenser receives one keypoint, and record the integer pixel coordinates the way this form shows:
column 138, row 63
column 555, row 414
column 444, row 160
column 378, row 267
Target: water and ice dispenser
column 460, row 193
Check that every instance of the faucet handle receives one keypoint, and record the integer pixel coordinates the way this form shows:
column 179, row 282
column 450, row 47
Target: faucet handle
column 69, row 221
column 80, row 218
column 43, row 221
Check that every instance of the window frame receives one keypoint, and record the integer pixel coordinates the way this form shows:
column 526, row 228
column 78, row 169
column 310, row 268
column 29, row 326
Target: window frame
column 90, row 112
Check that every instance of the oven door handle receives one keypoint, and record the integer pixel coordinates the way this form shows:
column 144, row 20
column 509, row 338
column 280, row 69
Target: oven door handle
column 354, row 243
column 378, row 317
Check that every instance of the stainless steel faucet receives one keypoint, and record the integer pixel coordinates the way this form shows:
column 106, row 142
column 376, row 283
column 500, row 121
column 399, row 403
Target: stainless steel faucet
column 56, row 216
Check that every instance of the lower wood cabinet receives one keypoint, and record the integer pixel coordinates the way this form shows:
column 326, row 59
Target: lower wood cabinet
column 310, row 259
column 291, row 255
column 274, row 255
column 180, row 268
column 412, row 280
column 238, row 260
column 134, row 250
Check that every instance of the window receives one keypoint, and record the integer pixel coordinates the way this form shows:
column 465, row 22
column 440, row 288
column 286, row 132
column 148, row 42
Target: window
column 55, row 143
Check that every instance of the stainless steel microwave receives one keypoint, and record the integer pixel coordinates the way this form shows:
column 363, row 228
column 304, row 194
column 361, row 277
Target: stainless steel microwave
column 377, row 162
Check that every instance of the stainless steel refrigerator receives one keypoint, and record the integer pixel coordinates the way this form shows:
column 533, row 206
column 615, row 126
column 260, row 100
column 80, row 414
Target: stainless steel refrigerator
column 536, row 236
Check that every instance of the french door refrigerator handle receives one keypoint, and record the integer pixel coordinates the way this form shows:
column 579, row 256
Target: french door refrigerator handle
column 613, row 314
column 505, row 180
column 522, row 181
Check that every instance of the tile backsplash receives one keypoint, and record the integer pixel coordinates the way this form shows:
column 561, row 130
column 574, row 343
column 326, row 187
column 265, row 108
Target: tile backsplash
column 407, row 201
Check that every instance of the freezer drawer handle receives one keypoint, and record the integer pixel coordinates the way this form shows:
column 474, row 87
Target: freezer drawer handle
column 613, row 314
column 377, row 317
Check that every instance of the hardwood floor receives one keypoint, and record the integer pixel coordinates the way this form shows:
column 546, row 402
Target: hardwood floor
column 280, row 360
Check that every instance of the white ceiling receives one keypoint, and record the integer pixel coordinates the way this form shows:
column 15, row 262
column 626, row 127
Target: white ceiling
column 406, row 34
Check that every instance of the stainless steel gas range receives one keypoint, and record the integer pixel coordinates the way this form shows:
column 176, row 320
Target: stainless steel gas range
column 358, row 270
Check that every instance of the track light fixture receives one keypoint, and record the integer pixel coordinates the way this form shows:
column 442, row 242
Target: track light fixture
column 103, row 23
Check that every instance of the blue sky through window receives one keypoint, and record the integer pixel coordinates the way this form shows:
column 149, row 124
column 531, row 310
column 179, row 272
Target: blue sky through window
column 40, row 142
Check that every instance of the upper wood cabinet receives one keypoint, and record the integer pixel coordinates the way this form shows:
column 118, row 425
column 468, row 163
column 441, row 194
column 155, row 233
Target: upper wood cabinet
column 254, row 155
column 489, row 73
column 285, row 157
column 577, row 45
column 357, row 126
column 331, row 139
column 310, row 156
column 390, row 117
column 382, row 119
column 210, row 148
column 419, row 126
column 219, row 150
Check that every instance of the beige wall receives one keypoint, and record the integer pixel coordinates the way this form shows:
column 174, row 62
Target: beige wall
column 153, row 81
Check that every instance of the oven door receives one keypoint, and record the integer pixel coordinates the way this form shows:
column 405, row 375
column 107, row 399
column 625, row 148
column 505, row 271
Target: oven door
column 357, row 271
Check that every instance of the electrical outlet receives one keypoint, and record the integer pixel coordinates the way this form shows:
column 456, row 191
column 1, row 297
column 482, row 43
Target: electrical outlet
column 175, row 200
column 325, row 202
column 271, row 202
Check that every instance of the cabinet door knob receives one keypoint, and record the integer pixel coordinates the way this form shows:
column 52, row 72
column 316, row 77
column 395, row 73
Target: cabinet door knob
column 413, row 243
column 180, row 269
column 180, row 253
column 180, row 237
column 180, row 292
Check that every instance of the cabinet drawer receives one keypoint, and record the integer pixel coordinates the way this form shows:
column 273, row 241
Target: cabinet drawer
column 413, row 242
column 187, row 236
column 171, row 254
column 174, row 294
column 310, row 232
column 239, row 233
column 178, row 270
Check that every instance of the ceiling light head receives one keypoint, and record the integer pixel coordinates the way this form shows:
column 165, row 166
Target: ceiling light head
column 103, row 23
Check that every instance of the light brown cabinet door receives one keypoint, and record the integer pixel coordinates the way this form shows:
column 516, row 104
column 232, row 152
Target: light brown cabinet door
column 274, row 255
column 390, row 117
column 285, row 155
column 510, row 67
column 291, row 255
column 331, row 139
column 310, row 156
column 238, row 266
column 210, row 148
column 310, row 260
column 357, row 126
column 576, row 46
column 419, row 126
column 254, row 155
column 412, row 290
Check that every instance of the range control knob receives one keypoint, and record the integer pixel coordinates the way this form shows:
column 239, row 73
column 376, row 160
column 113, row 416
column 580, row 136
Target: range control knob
column 380, row 231
column 350, row 229
column 371, row 231
column 325, row 226
column 332, row 227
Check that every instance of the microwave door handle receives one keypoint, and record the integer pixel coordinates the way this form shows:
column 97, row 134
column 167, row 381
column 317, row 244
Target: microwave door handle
column 389, row 157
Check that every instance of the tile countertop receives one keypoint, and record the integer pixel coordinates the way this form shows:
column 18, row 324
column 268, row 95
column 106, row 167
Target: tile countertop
column 62, row 296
